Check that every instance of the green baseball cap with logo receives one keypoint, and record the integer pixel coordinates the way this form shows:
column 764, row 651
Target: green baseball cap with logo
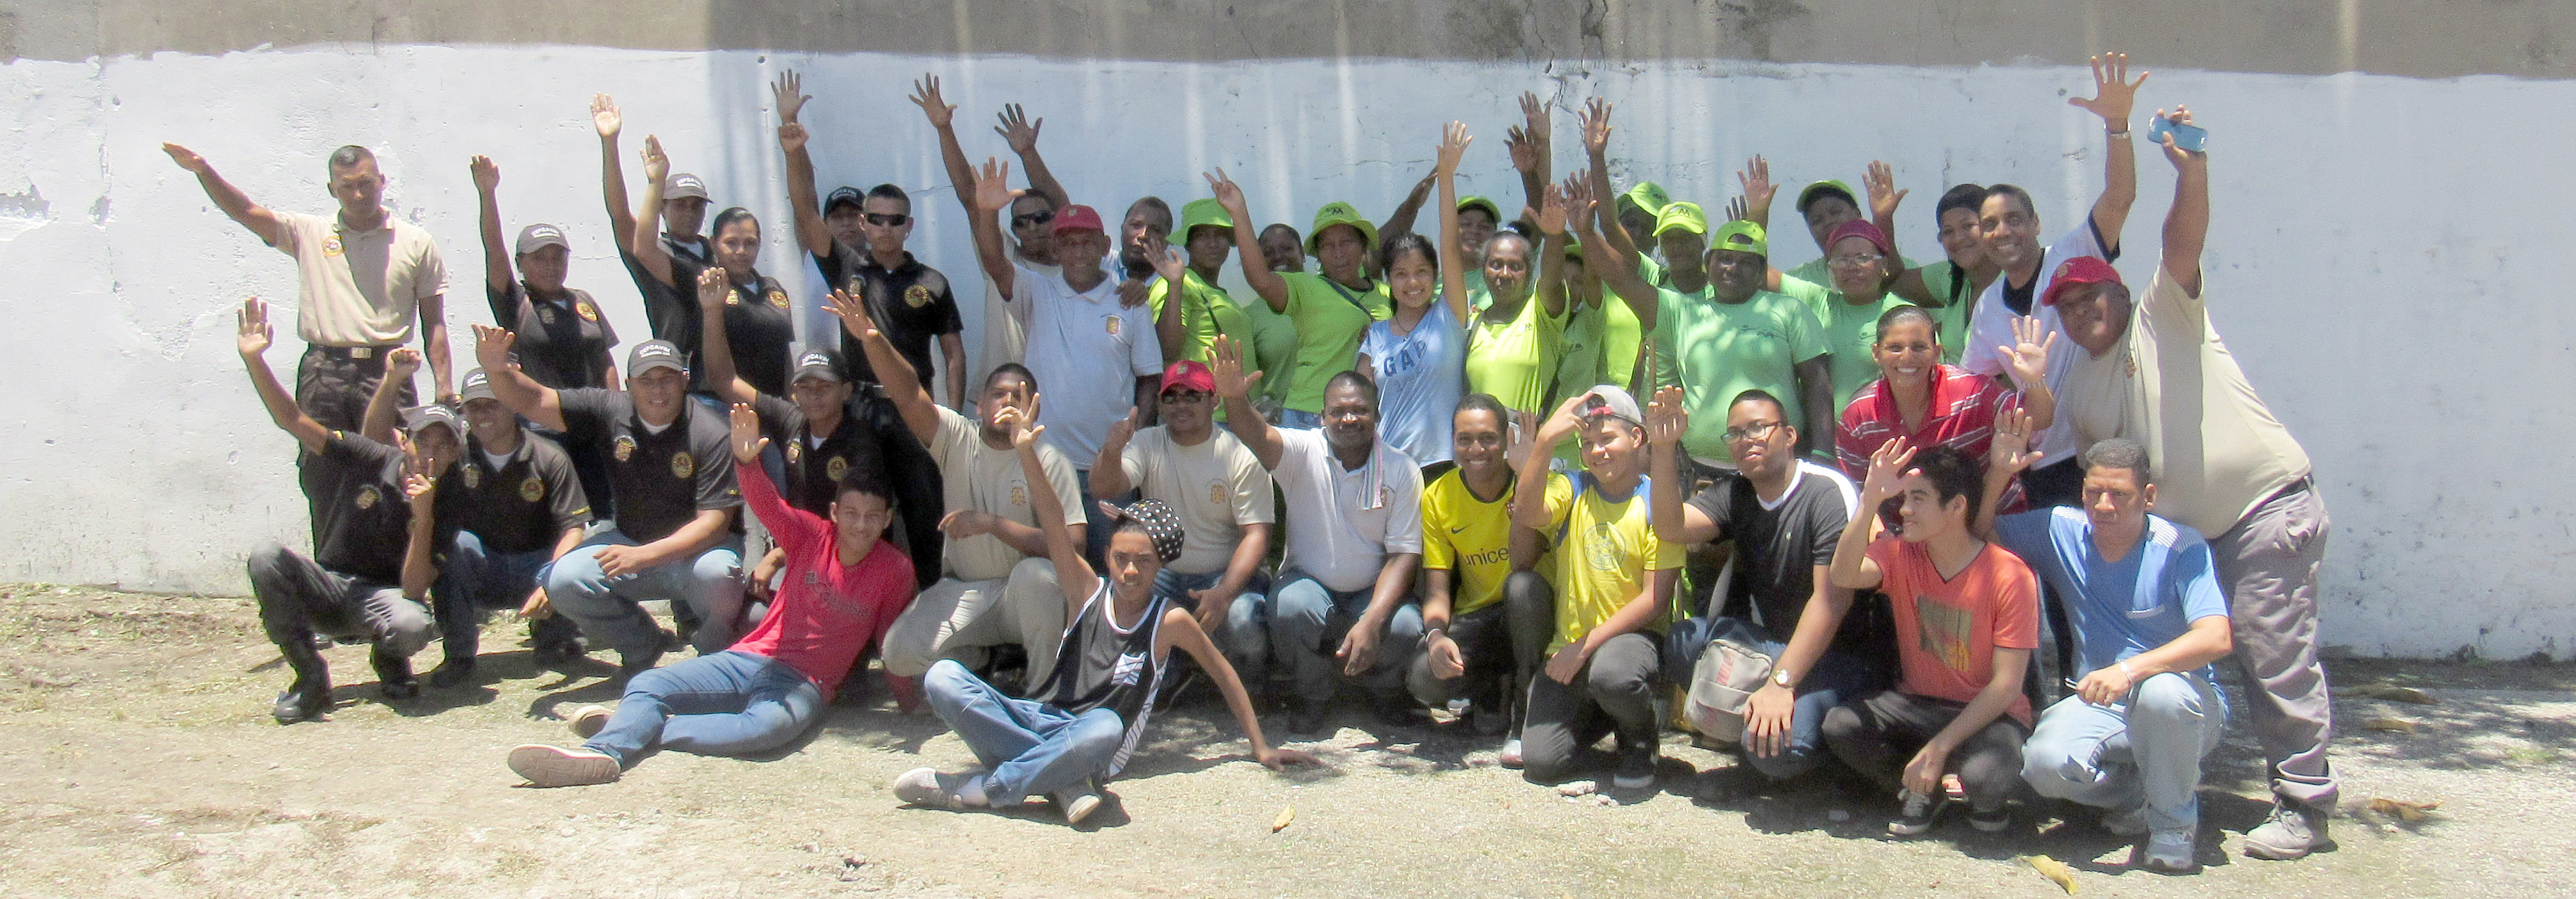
column 1649, row 196
column 1481, row 203
column 1741, row 236
column 1340, row 213
column 1827, row 187
column 1685, row 216
column 1203, row 211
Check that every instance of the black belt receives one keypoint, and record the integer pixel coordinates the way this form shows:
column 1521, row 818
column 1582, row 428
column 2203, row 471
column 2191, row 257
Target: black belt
column 2304, row 484
column 352, row 352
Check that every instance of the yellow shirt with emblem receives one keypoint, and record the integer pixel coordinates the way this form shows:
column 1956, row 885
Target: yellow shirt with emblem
column 973, row 475
column 1473, row 538
column 1607, row 552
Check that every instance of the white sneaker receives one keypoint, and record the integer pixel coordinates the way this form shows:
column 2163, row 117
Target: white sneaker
column 2171, row 853
column 586, row 722
column 929, row 788
column 1077, row 802
column 1511, row 756
column 556, row 766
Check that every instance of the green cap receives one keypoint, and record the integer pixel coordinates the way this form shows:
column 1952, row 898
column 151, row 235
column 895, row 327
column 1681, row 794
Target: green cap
column 1828, row 185
column 1340, row 213
column 1203, row 211
column 1649, row 196
column 1741, row 236
column 1481, row 203
column 1685, row 216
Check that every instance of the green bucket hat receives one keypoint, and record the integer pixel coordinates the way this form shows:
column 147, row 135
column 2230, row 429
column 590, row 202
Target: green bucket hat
column 1203, row 211
column 1340, row 213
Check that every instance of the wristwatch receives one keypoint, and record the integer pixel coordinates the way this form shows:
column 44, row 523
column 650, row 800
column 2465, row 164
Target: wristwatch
column 1780, row 678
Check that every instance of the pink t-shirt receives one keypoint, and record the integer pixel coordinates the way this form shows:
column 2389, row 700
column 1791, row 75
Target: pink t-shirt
column 826, row 612
column 1947, row 629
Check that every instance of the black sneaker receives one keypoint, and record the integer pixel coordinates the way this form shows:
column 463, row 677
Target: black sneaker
column 1996, row 821
column 454, row 670
column 1636, row 766
column 1914, row 814
column 393, row 674
column 631, row 665
column 309, row 695
column 1306, row 719
column 559, row 652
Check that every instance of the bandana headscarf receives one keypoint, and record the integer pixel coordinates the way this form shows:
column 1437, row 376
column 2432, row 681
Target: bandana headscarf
column 1160, row 524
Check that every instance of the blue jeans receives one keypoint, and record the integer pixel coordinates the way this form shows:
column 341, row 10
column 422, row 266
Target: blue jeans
column 1029, row 748
column 1300, row 418
column 2143, row 751
column 729, row 703
column 475, row 581
column 1307, row 624
column 1834, row 678
column 1244, row 637
column 710, row 584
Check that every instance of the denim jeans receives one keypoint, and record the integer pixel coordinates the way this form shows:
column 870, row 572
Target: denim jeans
column 1834, row 678
column 1244, row 636
column 1029, row 748
column 710, row 584
column 1307, row 624
column 2146, row 750
column 729, row 703
column 475, row 581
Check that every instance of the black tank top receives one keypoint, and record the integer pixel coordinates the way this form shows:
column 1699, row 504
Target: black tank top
column 1101, row 666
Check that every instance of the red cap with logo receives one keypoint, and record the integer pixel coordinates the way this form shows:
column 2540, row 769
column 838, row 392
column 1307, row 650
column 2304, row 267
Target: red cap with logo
column 1078, row 217
column 1189, row 374
column 2077, row 272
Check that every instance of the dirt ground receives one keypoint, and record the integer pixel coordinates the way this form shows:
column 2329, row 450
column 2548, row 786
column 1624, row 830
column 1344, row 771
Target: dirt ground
column 141, row 762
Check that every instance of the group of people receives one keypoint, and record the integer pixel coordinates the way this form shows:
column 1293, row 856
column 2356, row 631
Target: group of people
column 1539, row 471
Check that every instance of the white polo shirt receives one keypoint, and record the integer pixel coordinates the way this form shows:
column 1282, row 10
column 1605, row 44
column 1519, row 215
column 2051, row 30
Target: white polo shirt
column 1343, row 523
column 1087, row 352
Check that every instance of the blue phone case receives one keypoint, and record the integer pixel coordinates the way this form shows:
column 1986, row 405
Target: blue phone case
column 2189, row 137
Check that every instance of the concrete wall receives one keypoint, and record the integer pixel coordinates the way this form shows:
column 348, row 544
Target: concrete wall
column 2360, row 218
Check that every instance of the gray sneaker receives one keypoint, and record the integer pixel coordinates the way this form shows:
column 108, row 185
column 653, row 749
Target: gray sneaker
column 586, row 722
column 2171, row 853
column 2126, row 823
column 1077, row 801
column 2294, row 831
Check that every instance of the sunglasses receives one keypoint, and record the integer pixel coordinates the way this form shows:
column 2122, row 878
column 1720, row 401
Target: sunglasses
column 888, row 220
column 1032, row 218
column 1178, row 397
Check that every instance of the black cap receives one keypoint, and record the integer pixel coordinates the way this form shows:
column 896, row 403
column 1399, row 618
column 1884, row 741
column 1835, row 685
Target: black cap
column 824, row 364
column 840, row 195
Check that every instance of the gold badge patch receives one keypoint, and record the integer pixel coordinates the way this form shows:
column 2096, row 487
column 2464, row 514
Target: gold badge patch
column 916, row 296
column 368, row 497
column 625, row 448
column 1112, row 324
column 794, row 449
column 473, row 477
column 1216, row 492
column 778, row 298
column 1019, row 494
column 733, row 297
column 532, row 490
column 836, row 468
column 682, row 466
column 331, row 246
column 587, row 311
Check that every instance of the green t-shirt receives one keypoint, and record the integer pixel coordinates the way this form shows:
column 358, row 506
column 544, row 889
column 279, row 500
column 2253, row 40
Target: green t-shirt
column 1850, row 330
column 1329, row 320
column 1206, row 311
column 1717, row 350
column 1951, row 285
column 1601, row 344
column 1515, row 360
column 1816, row 271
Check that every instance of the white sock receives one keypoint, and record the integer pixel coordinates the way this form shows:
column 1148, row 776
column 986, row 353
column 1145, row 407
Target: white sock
column 972, row 793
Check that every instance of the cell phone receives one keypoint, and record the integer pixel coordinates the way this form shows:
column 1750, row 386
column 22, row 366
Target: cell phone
column 2189, row 137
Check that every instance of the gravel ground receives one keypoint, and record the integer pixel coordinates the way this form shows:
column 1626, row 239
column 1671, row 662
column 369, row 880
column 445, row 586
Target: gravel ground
column 143, row 763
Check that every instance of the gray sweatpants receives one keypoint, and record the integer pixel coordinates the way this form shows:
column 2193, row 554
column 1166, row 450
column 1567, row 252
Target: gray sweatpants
column 2268, row 565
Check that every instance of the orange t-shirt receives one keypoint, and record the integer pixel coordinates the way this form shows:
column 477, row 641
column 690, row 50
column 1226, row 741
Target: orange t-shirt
column 1947, row 629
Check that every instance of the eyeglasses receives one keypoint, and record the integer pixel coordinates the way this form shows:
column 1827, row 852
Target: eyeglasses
column 1024, row 220
column 1864, row 259
column 1760, row 430
column 888, row 220
column 1183, row 397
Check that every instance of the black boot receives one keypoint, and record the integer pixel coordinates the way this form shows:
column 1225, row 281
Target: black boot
column 310, row 694
column 393, row 673
column 452, row 671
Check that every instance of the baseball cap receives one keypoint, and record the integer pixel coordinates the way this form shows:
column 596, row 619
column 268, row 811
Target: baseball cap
column 824, row 364
column 1611, row 399
column 1827, row 187
column 1077, row 217
column 534, row 237
column 684, row 185
column 1649, row 196
column 1741, row 236
column 1686, row 216
column 1860, row 228
column 1481, row 203
column 478, row 386
column 1204, row 211
column 652, row 354
column 419, row 417
column 2077, row 272
column 1189, row 374
column 1340, row 213
column 842, row 194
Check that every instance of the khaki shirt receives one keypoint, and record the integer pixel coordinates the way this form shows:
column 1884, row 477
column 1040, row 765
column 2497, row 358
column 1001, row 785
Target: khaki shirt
column 359, row 288
column 979, row 477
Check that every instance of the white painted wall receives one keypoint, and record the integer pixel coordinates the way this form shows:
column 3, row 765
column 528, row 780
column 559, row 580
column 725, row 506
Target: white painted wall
column 2360, row 222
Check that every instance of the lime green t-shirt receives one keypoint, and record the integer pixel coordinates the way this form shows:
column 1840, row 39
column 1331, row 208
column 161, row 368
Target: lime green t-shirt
column 1608, row 551
column 1817, row 271
column 1515, row 359
column 1206, row 311
column 1958, row 293
column 1601, row 344
column 1329, row 320
column 1850, row 330
column 1717, row 350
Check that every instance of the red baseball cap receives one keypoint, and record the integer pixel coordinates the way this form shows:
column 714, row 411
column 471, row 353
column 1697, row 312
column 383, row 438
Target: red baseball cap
column 1864, row 230
column 1188, row 374
column 2077, row 272
column 1077, row 217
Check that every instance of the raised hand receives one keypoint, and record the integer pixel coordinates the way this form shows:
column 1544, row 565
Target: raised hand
column 492, row 347
column 421, row 489
column 747, row 442
column 2180, row 157
column 1666, row 420
column 657, row 165
column 255, row 337
column 925, row 94
column 487, row 174
column 1886, row 467
column 1226, row 368
column 1020, row 424
column 1453, row 148
column 1596, row 127
column 789, row 92
column 2009, row 452
column 792, row 137
column 402, row 363
column 1736, row 210
column 604, row 115
column 853, row 314
column 713, row 288
column 2113, row 93
column 1880, row 183
column 2026, row 360
column 186, row 158
column 1124, row 429
column 1170, row 263
column 993, row 186
column 1578, row 197
column 1755, row 178
column 1524, row 153
column 1017, row 130
column 1227, row 194
column 1551, row 219
column 1534, row 119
